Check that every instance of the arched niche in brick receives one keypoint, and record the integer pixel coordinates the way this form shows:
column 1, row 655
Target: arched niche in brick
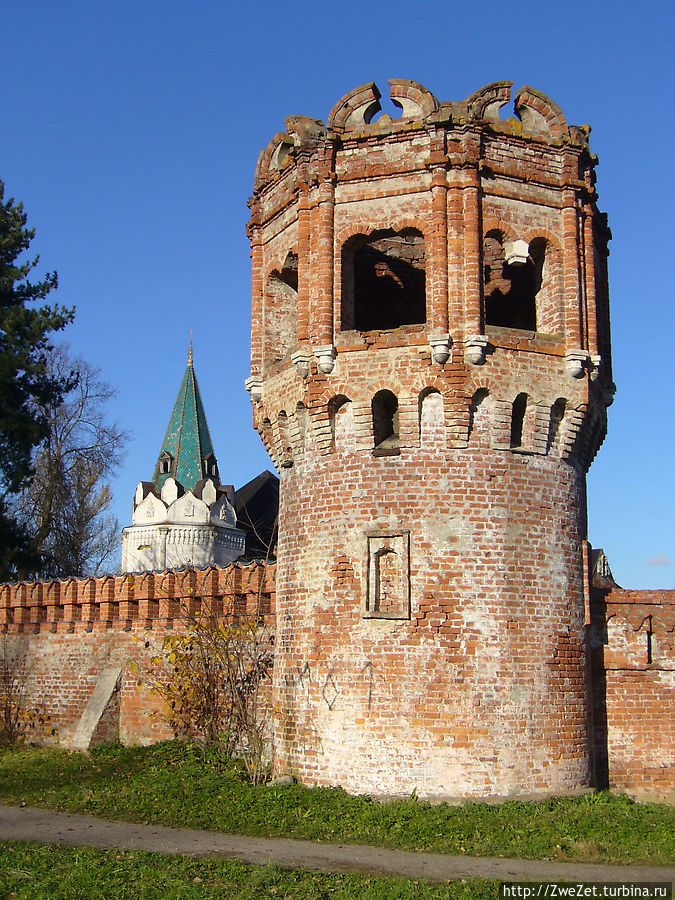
column 341, row 417
column 273, row 158
column 487, row 102
column 522, row 423
column 539, row 114
column 302, row 425
column 431, row 416
column 479, row 417
column 383, row 280
column 285, row 445
column 280, row 311
column 555, row 426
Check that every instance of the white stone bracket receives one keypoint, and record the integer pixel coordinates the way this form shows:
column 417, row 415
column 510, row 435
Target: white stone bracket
column 254, row 386
column 576, row 361
column 475, row 349
column 301, row 360
column 325, row 358
column 440, row 348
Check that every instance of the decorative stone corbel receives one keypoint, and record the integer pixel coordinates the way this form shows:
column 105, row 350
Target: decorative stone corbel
column 325, row 358
column 594, row 367
column 300, row 360
column 516, row 253
column 254, row 386
column 440, row 348
column 474, row 349
column 575, row 362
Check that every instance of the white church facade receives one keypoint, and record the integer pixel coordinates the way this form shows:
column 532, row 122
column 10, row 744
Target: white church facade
column 184, row 516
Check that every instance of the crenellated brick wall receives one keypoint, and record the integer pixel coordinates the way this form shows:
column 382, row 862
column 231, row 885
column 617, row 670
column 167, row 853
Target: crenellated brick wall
column 65, row 635
column 70, row 639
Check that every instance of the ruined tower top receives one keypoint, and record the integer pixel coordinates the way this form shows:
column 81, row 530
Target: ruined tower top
column 451, row 227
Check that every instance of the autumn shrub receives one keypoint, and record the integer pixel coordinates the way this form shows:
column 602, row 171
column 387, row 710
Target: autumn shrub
column 210, row 673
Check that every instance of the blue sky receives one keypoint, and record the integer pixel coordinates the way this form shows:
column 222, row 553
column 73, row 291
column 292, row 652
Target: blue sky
column 131, row 131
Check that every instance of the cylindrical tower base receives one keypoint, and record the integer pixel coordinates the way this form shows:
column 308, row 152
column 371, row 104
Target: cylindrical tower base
column 430, row 624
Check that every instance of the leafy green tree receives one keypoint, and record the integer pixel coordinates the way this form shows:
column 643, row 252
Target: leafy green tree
column 25, row 383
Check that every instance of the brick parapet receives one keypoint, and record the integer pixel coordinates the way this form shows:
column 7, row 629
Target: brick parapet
column 131, row 601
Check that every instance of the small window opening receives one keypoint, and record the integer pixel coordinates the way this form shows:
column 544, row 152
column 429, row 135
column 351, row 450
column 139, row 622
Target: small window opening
column 384, row 280
column 510, row 291
column 165, row 461
column 517, row 420
column 210, row 466
column 385, row 423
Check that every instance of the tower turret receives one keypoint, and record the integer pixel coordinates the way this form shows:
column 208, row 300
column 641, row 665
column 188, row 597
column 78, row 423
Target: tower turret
column 184, row 516
column 430, row 371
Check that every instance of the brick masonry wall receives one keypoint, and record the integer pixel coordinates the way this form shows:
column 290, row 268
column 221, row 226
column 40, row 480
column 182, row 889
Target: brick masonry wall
column 430, row 589
column 349, row 695
column 478, row 687
column 633, row 670
column 64, row 635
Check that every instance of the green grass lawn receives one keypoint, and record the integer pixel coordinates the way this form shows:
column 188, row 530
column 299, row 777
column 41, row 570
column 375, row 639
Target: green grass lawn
column 186, row 786
column 40, row 872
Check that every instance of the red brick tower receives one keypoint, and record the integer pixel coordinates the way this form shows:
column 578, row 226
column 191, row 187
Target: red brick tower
column 430, row 372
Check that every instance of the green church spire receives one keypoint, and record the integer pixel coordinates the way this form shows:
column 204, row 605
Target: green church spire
column 187, row 451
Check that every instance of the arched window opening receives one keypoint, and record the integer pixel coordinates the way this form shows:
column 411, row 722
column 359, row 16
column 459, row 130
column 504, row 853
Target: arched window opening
column 281, row 311
column 518, row 420
column 511, row 283
column 385, row 424
column 384, row 280
column 431, row 418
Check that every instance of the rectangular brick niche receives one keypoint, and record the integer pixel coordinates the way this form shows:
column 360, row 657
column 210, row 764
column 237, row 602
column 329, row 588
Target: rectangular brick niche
column 388, row 577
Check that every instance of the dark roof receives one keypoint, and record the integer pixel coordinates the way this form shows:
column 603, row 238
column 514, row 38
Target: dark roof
column 257, row 507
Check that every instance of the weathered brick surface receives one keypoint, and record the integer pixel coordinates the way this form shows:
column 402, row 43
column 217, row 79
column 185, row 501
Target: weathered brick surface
column 633, row 667
column 64, row 634
column 430, row 611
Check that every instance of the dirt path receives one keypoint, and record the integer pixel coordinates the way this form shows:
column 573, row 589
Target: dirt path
column 65, row 829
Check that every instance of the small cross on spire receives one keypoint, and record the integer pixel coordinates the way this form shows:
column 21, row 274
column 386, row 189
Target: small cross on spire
column 190, row 350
